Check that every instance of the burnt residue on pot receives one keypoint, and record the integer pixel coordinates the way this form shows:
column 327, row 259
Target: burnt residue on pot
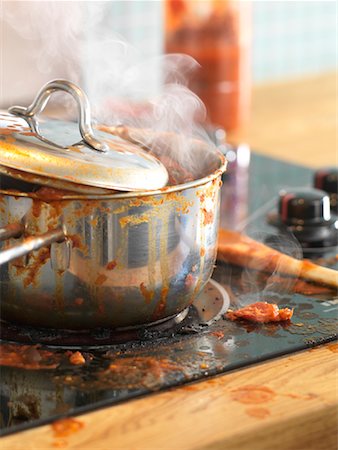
column 128, row 256
column 30, row 273
column 119, row 251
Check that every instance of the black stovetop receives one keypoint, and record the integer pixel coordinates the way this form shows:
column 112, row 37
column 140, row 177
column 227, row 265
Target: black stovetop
column 198, row 344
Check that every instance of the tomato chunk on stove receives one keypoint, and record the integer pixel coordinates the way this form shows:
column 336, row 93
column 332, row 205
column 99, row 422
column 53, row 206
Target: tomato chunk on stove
column 261, row 312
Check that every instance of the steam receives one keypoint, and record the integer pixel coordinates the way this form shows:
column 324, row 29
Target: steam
column 51, row 29
column 124, row 85
column 275, row 287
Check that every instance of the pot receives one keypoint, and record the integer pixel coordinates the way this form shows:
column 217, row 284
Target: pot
column 115, row 260
column 77, row 260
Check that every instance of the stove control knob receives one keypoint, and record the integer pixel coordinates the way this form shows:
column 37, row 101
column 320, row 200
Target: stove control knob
column 306, row 213
column 304, row 207
column 327, row 180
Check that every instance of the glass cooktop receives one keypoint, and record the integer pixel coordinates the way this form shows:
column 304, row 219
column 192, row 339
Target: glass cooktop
column 41, row 383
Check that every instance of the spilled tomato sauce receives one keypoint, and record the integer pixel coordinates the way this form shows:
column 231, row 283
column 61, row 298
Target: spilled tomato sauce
column 333, row 347
column 252, row 394
column 66, row 427
column 76, row 358
column 29, row 357
column 125, row 367
column 261, row 312
column 258, row 413
column 217, row 334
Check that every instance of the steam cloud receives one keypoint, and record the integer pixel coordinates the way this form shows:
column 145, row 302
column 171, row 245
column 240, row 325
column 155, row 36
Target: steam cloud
column 275, row 287
column 122, row 85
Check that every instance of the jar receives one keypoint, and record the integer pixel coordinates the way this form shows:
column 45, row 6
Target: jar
column 217, row 33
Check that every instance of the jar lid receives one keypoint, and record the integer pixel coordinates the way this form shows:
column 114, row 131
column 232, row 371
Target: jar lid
column 69, row 151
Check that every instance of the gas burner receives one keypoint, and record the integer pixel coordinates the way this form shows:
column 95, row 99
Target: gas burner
column 211, row 304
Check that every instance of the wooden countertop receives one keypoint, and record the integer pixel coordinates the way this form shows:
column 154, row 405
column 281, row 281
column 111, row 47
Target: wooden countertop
column 290, row 403
column 295, row 121
column 292, row 406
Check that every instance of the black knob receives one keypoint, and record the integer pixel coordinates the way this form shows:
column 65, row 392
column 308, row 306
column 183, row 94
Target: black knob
column 306, row 214
column 304, row 207
column 327, row 180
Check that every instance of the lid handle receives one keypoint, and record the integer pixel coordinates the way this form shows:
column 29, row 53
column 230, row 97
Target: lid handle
column 82, row 101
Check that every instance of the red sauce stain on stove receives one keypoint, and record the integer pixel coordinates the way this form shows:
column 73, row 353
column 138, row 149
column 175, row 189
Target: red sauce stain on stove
column 261, row 312
column 218, row 334
column 28, row 357
column 131, row 372
column 333, row 347
column 76, row 358
column 63, row 428
column 147, row 293
column 258, row 413
column 252, row 394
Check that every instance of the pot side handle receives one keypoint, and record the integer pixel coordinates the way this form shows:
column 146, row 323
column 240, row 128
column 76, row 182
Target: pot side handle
column 29, row 244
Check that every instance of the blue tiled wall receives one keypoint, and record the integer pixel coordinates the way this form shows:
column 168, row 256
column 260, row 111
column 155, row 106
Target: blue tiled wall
column 293, row 38
column 290, row 38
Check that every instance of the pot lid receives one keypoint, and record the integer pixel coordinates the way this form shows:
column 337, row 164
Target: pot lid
column 69, row 151
column 33, row 182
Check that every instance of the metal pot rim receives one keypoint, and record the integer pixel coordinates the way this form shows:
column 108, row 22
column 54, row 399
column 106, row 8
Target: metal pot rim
column 165, row 190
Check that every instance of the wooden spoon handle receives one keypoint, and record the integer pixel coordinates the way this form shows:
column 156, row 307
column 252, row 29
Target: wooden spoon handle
column 241, row 250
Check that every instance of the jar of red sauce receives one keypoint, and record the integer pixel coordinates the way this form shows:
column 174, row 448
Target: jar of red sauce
column 217, row 33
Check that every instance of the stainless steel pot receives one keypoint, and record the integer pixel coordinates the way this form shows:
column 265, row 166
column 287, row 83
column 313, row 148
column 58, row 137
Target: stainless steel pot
column 115, row 260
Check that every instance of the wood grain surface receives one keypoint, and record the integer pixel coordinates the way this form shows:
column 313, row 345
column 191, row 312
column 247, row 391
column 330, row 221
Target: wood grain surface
column 295, row 121
column 286, row 404
column 289, row 403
